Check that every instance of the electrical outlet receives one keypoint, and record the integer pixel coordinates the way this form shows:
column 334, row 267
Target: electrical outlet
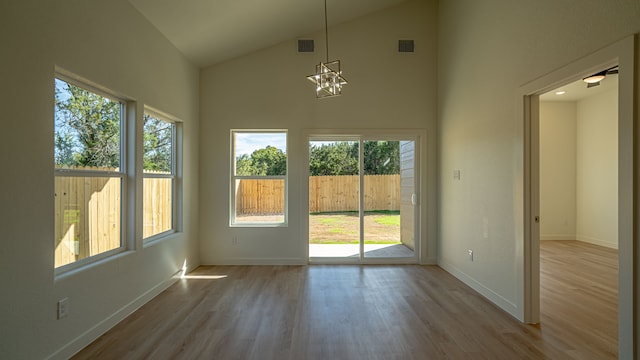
column 470, row 255
column 63, row 308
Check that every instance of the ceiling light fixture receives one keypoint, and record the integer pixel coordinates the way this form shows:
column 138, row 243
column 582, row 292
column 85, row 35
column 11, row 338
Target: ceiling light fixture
column 328, row 77
column 594, row 80
column 561, row 92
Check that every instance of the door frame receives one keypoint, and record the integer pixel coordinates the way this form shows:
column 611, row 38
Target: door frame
column 623, row 54
column 417, row 135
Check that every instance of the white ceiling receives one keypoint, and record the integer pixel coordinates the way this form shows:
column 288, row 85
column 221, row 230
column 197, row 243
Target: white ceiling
column 578, row 90
column 212, row 31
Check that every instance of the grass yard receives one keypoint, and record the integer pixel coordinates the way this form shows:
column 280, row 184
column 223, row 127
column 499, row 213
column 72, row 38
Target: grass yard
column 380, row 227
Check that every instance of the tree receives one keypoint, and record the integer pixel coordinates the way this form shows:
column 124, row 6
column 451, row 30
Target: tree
column 341, row 158
column 269, row 161
column 244, row 165
column 87, row 128
column 381, row 157
column 158, row 137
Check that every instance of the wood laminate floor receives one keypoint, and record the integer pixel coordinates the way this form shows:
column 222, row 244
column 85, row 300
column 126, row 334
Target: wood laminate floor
column 370, row 312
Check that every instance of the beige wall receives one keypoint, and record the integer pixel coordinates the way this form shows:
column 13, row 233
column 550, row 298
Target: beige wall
column 597, row 170
column 268, row 90
column 111, row 44
column 558, row 170
column 486, row 51
column 578, row 170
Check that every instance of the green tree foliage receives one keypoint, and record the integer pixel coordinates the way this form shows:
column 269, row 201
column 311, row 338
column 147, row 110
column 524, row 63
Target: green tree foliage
column 87, row 128
column 269, row 161
column 244, row 165
column 381, row 157
column 341, row 158
column 158, row 137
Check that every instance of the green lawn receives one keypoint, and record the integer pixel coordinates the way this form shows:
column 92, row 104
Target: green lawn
column 381, row 227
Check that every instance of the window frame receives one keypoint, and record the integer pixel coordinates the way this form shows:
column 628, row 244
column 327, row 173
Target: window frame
column 234, row 178
column 175, row 158
column 88, row 173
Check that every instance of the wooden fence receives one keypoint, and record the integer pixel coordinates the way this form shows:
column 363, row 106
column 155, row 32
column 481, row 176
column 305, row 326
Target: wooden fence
column 326, row 194
column 88, row 217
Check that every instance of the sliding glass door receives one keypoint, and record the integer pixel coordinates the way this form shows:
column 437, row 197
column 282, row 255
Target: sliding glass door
column 362, row 199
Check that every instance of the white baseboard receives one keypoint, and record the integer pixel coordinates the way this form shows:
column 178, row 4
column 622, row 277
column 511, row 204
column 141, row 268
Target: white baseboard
column 557, row 236
column 491, row 295
column 596, row 241
column 79, row 343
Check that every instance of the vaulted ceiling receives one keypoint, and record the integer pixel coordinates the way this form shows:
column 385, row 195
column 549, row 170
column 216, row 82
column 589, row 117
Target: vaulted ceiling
column 212, row 31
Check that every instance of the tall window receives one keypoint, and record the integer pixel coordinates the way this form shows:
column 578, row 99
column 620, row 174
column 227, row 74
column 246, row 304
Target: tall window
column 258, row 178
column 89, row 176
column 159, row 168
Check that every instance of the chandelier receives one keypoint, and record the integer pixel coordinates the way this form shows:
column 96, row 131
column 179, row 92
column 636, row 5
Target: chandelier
column 328, row 77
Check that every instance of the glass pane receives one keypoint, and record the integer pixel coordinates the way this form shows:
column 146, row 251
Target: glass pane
column 87, row 217
column 158, row 145
column 86, row 129
column 158, row 206
column 260, row 154
column 387, row 198
column 334, row 221
column 259, row 201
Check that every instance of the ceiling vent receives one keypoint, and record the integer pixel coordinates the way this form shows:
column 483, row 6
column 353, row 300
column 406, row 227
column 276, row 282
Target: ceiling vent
column 306, row 46
column 405, row 46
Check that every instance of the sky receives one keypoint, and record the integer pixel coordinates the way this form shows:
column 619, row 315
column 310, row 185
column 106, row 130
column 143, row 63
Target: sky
column 246, row 143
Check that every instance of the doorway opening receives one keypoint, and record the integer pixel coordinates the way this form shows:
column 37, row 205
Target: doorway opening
column 578, row 195
column 621, row 53
column 362, row 199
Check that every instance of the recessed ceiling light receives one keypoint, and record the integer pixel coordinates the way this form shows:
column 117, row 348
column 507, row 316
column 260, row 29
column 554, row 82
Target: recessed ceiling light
column 561, row 92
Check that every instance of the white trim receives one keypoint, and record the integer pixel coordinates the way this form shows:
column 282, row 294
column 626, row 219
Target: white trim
column 159, row 237
column 158, row 176
column 89, row 85
column 596, row 241
column 89, row 262
column 552, row 237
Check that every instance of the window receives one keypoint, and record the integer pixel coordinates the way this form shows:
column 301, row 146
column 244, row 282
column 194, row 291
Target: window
column 89, row 176
column 159, row 169
column 258, row 178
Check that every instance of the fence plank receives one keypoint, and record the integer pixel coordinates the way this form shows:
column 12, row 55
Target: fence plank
column 88, row 214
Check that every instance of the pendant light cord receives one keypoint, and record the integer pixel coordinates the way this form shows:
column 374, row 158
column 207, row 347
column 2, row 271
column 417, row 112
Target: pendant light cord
column 326, row 29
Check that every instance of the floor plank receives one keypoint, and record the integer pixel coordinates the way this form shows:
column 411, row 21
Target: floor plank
column 579, row 297
column 370, row 312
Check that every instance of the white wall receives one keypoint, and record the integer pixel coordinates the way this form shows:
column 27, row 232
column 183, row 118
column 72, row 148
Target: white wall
column 558, row 170
column 578, row 169
column 111, row 44
column 268, row 89
column 597, row 169
column 487, row 50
